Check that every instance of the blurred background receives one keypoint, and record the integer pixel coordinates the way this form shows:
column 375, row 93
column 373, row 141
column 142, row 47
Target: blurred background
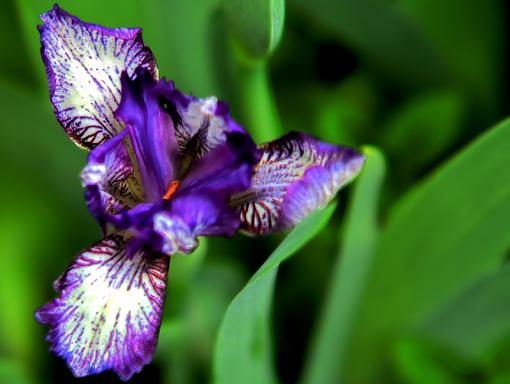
column 418, row 79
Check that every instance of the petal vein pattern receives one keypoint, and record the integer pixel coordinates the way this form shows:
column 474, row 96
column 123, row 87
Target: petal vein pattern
column 109, row 312
column 84, row 63
column 296, row 175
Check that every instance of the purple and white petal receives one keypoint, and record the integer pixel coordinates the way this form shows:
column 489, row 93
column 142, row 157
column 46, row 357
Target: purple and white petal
column 175, row 234
column 109, row 178
column 296, row 175
column 84, row 63
column 204, row 124
column 109, row 310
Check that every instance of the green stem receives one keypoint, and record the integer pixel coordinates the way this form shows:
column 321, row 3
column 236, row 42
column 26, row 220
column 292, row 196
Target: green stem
column 257, row 102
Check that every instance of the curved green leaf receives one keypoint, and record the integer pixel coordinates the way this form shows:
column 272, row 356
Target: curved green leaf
column 243, row 351
column 431, row 249
column 477, row 323
column 349, row 275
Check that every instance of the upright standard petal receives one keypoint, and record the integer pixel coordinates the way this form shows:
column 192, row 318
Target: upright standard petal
column 203, row 125
column 109, row 312
column 84, row 63
column 296, row 175
column 150, row 119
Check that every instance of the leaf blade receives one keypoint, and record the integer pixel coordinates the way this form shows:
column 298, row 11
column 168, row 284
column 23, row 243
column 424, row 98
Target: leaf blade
column 349, row 275
column 243, row 347
column 433, row 249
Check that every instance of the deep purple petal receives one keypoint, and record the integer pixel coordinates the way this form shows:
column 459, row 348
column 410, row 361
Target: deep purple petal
column 84, row 63
column 296, row 175
column 109, row 312
column 226, row 169
column 206, row 213
column 202, row 199
column 144, row 110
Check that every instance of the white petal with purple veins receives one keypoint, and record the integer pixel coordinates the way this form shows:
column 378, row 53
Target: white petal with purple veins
column 84, row 63
column 109, row 312
column 296, row 175
column 202, row 129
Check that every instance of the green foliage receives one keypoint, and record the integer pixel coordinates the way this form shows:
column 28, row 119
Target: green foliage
column 443, row 235
column 244, row 348
column 413, row 288
column 349, row 276
column 475, row 323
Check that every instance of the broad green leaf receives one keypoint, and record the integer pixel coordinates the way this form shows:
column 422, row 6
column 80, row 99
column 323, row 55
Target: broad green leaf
column 257, row 24
column 476, row 324
column 423, row 128
column 349, row 275
column 446, row 233
column 243, row 351
column 382, row 35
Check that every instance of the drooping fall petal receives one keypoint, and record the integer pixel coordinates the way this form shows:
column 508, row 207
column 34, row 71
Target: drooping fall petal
column 109, row 310
column 84, row 63
column 296, row 175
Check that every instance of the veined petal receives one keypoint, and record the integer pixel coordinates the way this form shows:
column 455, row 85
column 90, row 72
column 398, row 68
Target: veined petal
column 204, row 124
column 296, row 175
column 109, row 312
column 84, row 63
column 109, row 179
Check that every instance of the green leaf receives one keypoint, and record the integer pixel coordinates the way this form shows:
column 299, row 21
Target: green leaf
column 445, row 234
column 257, row 24
column 243, row 351
column 349, row 275
column 476, row 324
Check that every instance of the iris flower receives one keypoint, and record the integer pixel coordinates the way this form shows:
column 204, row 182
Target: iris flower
column 163, row 169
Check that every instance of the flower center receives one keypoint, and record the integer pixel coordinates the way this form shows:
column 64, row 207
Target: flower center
column 172, row 188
